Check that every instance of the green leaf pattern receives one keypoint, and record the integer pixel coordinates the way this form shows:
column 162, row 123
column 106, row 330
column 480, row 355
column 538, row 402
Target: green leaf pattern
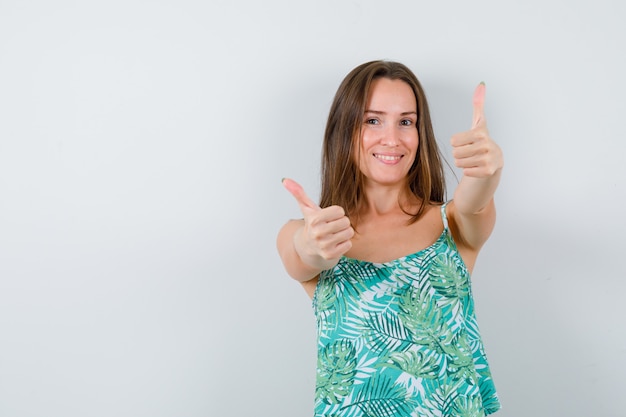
column 336, row 364
column 401, row 338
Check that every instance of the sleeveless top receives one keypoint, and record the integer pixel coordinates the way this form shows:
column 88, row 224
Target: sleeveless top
column 400, row 338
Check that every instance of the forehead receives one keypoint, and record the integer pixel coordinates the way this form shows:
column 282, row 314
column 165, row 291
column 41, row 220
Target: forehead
column 388, row 94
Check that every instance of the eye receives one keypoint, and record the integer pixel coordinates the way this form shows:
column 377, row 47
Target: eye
column 371, row 121
column 406, row 122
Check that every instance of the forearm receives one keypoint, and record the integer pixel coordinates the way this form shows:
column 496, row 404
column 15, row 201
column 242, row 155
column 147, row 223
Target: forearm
column 293, row 263
column 473, row 194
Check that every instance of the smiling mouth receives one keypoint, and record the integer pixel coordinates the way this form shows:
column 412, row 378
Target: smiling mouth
column 387, row 158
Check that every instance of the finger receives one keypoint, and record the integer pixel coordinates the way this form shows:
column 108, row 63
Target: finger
column 333, row 238
column 338, row 250
column 344, row 235
column 470, row 144
column 297, row 191
column 479, row 105
column 333, row 214
column 466, row 151
column 337, row 244
column 462, row 139
column 472, row 161
column 324, row 224
column 332, row 225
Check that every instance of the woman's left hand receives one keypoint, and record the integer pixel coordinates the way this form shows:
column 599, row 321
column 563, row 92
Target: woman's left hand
column 474, row 151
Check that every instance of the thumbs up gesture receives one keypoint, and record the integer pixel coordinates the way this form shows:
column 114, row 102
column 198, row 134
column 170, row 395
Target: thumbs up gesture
column 325, row 235
column 474, row 151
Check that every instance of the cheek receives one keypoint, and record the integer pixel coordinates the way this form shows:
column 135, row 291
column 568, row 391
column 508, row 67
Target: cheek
column 367, row 142
column 412, row 141
column 415, row 145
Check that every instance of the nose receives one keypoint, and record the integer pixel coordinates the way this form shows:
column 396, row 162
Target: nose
column 390, row 136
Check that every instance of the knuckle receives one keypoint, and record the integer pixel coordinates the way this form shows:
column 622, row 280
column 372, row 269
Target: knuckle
column 311, row 221
column 339, row 211
column 316, row 235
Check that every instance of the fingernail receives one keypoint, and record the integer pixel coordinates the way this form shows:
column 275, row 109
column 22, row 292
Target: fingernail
column 483, row 83
column 283, row 179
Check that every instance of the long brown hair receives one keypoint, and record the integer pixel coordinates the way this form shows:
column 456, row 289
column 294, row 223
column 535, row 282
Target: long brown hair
column 342, row 181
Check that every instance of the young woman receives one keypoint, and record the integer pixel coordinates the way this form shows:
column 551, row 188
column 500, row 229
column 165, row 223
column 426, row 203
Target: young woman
column 387, row 262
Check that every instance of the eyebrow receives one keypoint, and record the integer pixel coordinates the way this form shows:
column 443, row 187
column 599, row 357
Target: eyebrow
column 406, row 113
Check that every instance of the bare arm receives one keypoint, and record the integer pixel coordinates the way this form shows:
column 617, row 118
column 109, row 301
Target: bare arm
column 292, row 262
column 473, row 210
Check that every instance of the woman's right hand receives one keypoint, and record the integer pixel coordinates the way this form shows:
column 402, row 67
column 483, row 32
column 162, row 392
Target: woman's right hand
column 325, row 234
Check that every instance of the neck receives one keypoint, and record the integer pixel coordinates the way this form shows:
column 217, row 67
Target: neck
column 381, row 201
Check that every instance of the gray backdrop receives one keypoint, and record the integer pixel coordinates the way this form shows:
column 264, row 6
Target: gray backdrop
column 142, row 146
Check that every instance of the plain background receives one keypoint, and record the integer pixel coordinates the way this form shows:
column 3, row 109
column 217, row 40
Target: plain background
column 142, row 144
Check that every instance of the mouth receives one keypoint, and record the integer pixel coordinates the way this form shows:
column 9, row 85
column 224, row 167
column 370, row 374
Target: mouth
column 388, row 159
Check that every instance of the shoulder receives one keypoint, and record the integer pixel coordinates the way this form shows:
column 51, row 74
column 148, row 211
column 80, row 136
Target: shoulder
column 470, row 232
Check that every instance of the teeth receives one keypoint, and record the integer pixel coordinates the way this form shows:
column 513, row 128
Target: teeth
column 387, row 157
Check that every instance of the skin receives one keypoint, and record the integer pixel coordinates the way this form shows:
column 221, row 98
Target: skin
column 387, row 148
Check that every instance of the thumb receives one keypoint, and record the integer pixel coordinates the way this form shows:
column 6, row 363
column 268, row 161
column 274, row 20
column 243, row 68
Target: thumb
column 479, row 105
column 297, row 191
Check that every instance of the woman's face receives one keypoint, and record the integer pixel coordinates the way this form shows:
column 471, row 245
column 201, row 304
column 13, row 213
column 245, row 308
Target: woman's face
column 389, row 138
